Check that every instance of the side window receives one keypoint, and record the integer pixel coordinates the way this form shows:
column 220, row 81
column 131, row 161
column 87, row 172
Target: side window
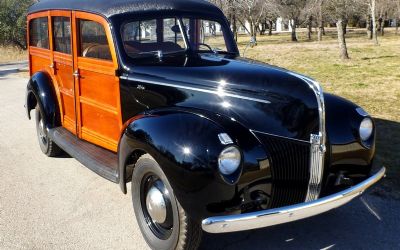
column 172, row 32
column 148, row 36
column 93, row 40
column 141, row 31
column 39, row 33
column 62, row 34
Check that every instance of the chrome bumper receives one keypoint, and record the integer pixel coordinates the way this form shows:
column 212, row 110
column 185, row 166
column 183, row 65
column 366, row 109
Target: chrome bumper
column 265, row 218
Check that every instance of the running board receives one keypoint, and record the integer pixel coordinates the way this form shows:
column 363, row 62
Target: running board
column 99, row 160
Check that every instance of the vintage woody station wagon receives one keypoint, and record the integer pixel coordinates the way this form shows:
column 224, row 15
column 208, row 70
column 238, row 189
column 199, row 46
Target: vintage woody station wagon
column 156, row 94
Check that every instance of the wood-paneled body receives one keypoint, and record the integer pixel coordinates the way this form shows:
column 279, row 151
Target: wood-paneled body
column 97, row 97
column 63, row 67
column 87, row 88
column 41, row 59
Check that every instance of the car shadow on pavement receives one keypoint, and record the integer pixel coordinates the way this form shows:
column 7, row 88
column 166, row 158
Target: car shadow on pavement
column 388, row 155
column 370, row 222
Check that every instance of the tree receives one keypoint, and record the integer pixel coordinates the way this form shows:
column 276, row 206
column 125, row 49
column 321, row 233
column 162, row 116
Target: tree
column 13, row 22
column 320, row 17
column 372, row 8
column 251, row 11
column 340, row 11
column 397, row 6
column 291, row 10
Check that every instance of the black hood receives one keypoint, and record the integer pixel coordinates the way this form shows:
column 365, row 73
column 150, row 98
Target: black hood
column 259, row 96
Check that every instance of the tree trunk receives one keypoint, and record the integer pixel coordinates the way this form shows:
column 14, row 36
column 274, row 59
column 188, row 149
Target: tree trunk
column 374, row 24
column 320, row 33
column 310, row 19
column 369, row 27
column 384, row 18
column 293, row 25
column 345, row 22
column 397, row 25
column 271, row 23
column 342, row 40
column 235, row 29
column 253, row 33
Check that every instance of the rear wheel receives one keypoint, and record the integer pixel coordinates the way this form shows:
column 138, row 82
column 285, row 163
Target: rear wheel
column 162, row 220
column 47, row 146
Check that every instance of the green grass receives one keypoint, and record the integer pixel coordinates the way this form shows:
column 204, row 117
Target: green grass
column 371, row 78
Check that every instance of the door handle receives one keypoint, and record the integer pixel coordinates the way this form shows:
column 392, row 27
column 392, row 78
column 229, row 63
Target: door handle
column 52, row 65
column 76, row 73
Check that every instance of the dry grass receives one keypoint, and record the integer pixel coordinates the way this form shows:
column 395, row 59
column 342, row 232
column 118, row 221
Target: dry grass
column 371, row 79
column 12, row 54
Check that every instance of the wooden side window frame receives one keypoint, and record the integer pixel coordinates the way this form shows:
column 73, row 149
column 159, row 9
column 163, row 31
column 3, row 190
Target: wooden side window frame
column 37, row 51
column 102, row 66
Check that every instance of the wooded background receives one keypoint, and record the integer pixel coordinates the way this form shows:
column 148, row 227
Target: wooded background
column 258, row 17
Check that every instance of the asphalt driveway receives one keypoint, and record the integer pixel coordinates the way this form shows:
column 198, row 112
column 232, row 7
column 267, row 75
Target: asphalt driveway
column 56, row 203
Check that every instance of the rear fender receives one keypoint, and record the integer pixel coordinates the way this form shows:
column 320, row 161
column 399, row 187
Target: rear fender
column 40, row 92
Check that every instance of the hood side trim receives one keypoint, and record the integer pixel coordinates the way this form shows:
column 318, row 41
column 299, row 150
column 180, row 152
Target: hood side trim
column 210, row 91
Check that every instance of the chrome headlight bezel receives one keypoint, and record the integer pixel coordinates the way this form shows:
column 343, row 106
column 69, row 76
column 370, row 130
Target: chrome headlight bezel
column 229, row 160
column 366, row 129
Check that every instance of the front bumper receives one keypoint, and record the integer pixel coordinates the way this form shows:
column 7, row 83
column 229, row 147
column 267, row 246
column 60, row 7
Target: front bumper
column 265, row 218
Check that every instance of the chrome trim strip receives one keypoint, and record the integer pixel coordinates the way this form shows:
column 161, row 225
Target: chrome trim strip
column 215, row 92
column 279, row 136
column 265, row 218
column 318, row 148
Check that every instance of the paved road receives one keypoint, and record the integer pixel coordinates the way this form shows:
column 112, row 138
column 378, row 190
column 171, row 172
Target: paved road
column 50, row 203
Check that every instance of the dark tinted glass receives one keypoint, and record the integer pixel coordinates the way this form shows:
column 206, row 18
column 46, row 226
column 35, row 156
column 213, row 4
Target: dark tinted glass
column 62, row 34
column 93, row 40
column 39, row 33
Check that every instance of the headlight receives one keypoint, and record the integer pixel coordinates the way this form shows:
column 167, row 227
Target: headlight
column 229, row 160
column 366, row 129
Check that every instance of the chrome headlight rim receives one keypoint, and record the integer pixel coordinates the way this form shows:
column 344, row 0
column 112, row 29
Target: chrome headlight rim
column 366, row 129
column 229, row 160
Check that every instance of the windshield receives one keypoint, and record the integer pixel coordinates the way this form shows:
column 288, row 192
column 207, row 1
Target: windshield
column 144, row 38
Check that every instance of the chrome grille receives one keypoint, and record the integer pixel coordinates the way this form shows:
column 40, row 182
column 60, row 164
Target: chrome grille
column 290, row 166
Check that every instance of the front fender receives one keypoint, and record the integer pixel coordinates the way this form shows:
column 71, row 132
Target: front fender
column 186, row 146
column 40, row 91
column 347, row 151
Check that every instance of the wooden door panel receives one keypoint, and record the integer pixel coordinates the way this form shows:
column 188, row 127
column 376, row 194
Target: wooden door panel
column 63, row 73
column 100, row 119
column 99, row 126
column 97, row 89
column 40, row 59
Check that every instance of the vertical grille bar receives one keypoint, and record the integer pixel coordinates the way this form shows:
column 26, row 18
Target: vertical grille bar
column 316, row 168
column 290, row 165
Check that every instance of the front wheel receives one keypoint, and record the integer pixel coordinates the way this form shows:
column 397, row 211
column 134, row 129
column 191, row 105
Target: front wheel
column 162, row 220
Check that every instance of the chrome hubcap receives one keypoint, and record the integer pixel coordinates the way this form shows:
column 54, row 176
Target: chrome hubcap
column 156, row 205
column 42, row 133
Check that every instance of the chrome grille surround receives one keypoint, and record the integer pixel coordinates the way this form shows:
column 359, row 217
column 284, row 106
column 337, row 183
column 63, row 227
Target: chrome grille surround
column 318, row 141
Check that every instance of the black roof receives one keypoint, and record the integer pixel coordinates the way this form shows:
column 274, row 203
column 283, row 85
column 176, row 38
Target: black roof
column 110, row 8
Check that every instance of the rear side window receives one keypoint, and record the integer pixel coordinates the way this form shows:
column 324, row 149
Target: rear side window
column 93, row 40
column 39, row 33
column 62, row 34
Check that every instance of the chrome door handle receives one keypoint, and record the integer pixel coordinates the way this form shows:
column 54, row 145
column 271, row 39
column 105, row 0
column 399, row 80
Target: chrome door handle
column 76, row 74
